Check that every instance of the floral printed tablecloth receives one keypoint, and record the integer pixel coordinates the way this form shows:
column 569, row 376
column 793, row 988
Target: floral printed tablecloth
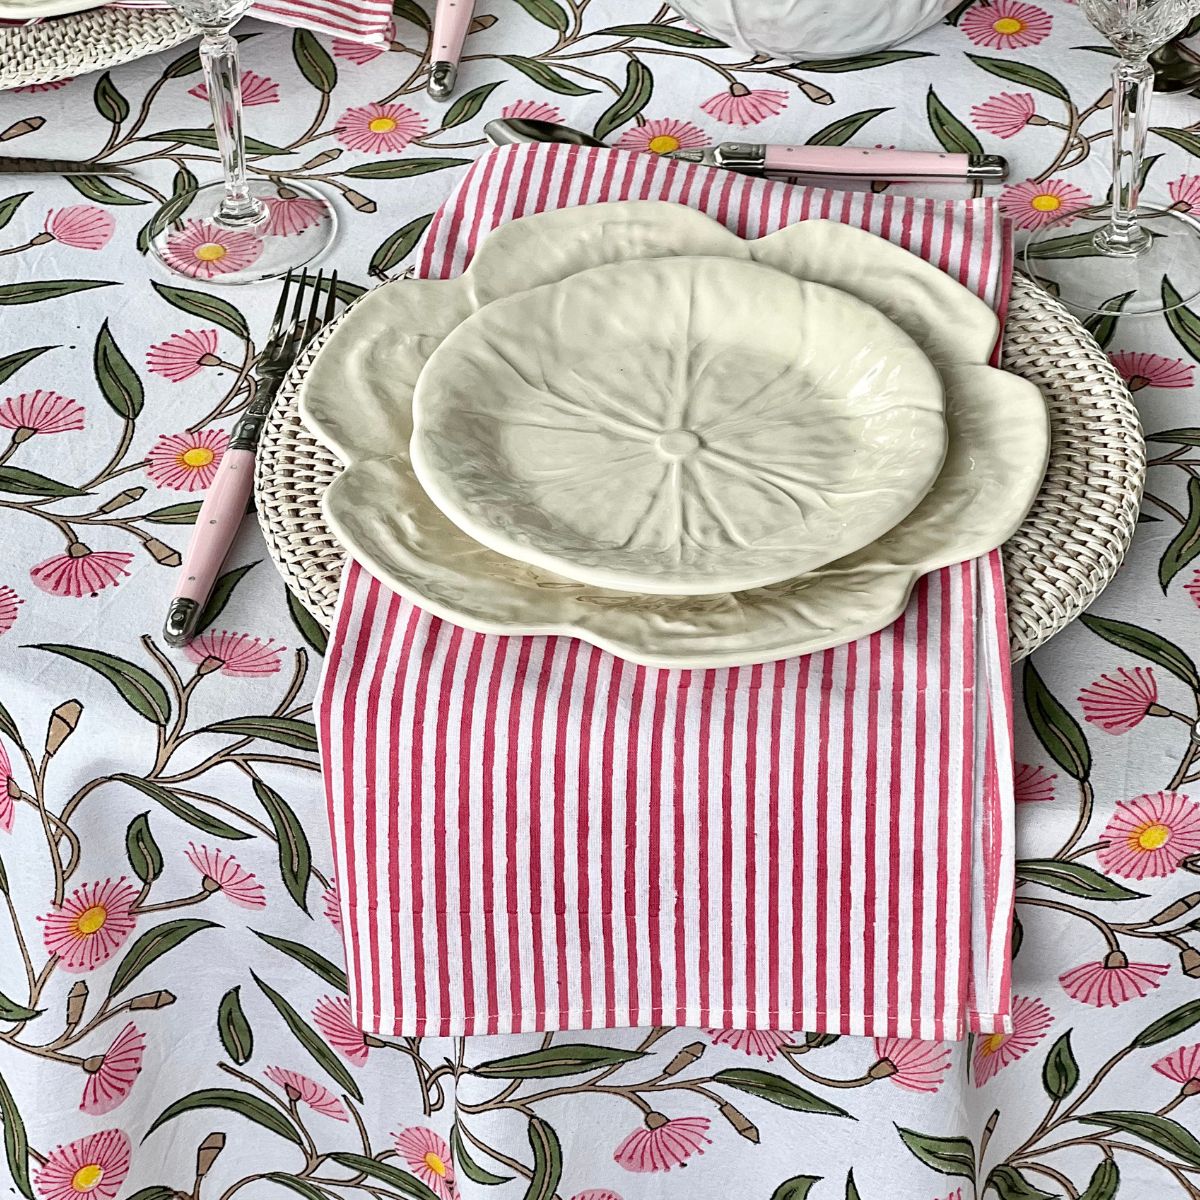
column 172, row 1009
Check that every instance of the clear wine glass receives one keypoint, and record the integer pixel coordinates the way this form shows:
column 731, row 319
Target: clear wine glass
column 240, row 229
column 1124, row 256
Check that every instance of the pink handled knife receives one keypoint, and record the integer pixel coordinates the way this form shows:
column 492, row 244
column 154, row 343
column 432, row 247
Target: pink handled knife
column 450, row 23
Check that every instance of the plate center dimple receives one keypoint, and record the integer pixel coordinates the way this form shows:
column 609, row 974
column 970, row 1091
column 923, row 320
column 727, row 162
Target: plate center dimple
column 677, row 443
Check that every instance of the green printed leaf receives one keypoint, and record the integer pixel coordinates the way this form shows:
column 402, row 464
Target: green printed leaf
column 385, row 1173
column 1173, row 1024
column 1149, row 645
column 97, row 188
column 206, row 307
column 1071, row 245
column 1009, row 1184
column 548, row 12
column 857, row 62
column 949, row 1155
column 236, row 1034
column 1105, row 1181
column 19, row 482
column 1023, row 75
column 221, row 593
column 468, row 105
column 1103, row 325
column 155, row 1191
column 284, row 731
column 303, row 1033
column 16, row 1142
column 10, row 364
column 545, row 76
column 177, row 806
column 119, row 383
column 839, row 132
column 635, row 95
column 1161, row 1132
column 183, row 183
column 241, row 1103
column 1056, row 729
column 9, row 206
column 206, row 139
column 852, row 1192
column 145, row 858
column 396, row 247
column 10, row 1010
column 1073, row 878
column 295, row 1184
column 402, row 168
column 151, row 946
column 796, row 1188
column 175, row 514
column 185, row 64
column 569, row 1058
column 34, row 291
column 318, row 964
column 469, row 1167
column 304, row 621
column 1018, row 934
column 1181, row 321
column 547, row 1161
column 1060, row 1072
column 109, row 102
column 295, row 857
column 314, row 61
column 1185, row 545
column 8, row 726
column 668, row 35
column 137, row 687
column 411, row 11
column 948, row 129
column 1179, row 137
column 777, row 1090
column 1176, row 437
column 818, row 1041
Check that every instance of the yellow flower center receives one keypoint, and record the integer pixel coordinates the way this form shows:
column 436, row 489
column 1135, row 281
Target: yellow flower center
column 87, row 1177
column 1008, row 25
column 382, row 125
column 992, row 1042
column 664, row 143
column 1152, row 837
column 197, row 456
column 211, row 252
column 91, row 921
column 435, row 1164
column 1046, row 202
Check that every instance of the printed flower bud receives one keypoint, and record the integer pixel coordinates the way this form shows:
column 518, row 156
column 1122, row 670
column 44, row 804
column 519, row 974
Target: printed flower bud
column 684, row 1059
column 93, row 1064
column 128, row 496
column 326, row 156
column 818, row 95
column 153, row 1000
column 486, row 21
column 1157, row 710
column 292, row 1092
column 206, row 1155
column 161, row 552
column 13, row 789
column 76, row 1003
column 741, row 1123
column 655, row 1120
column 40, row 239
column 62, row 724
column 359, row 201
column 1174, row 911
column 370, row 1039
column 20, row 128
column 1191, row 1087
column 1189, row 960
column 882, row 1069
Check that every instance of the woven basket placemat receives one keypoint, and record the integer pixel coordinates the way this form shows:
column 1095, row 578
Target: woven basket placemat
column 1061, row 559
column 62, row 47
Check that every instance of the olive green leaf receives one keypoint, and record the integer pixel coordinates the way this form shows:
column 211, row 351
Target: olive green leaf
column 236, row 1034
column 137, row 687
column 1056, row 729
column 145, row 858
column 949, row 1155
column 1060, row 1072
column 119, row 382
column 229, row 1100
column 151, row 946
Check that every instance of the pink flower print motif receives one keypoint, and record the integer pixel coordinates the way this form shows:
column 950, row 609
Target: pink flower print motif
column 1152, row 370
column 183, row 355
column 759, row 1043
column 360, row 53
column 9, row 791
column 1006, row 24
column 299, row 1089
column 531, row 110
column 1149, row 836
column 995, row 1051
column 204, row 250
column 1185, row 193
column 186, row 462
column 10, row 603
column 93, row 1168
column 90, row 925
column 332, row 1017
column 1032, row 784
column 740, row 105
column 596, row 1194
column 1111, row 982
column 912, row 1065
column 1121, row 702
column 81, row 571
column 332, row 904
column 663, row 1143
column 33, row 89
column 40, row 412
column 1183, row 1066
column 223, row 873
column 428, row 1157
column 379, row 128
column 81, row 226
column 1004, row 115
column 1192, row 587
column 111, row 1075
column 1030, row 205
column 292, row 214
column 235, row 654
column 256, row 89
column 663, row 136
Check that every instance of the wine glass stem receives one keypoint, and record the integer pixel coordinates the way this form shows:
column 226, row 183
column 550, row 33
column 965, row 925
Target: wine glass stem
column 1131, row 92
column 219, row 54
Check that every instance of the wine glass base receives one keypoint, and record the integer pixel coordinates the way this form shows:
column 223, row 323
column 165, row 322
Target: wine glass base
column 190, row 239
column 1064, row 258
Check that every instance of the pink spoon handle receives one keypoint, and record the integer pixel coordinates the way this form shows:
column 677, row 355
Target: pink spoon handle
column 450, row 23
column 873, row 163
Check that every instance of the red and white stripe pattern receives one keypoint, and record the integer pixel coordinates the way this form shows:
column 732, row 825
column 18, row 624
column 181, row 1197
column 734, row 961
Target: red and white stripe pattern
column 532, row 834
column 358, row 20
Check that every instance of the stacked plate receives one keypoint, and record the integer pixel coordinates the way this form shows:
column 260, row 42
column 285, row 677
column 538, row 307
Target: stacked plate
column 626, row 424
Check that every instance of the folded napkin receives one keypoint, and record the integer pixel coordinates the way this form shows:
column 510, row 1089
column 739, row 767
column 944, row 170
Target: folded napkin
column 532, row 834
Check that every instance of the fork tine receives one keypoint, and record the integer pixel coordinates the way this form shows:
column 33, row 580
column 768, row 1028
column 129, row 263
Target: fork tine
column 281, row 307
column 312, row 321
column 331, row 303
column 299, row 304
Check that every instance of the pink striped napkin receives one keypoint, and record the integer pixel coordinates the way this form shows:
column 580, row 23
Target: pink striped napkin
column 532, row 834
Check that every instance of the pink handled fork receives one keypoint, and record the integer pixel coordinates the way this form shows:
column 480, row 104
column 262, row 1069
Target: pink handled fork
column 450, row 22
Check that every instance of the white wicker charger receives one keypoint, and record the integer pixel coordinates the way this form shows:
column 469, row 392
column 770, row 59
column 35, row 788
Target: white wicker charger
column 75, row 44
column 1058, row 562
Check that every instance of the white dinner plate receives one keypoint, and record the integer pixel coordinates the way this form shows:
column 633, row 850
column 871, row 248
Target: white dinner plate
column 27, row 10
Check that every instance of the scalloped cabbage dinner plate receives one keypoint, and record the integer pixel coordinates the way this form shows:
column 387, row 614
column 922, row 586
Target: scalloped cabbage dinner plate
column 357, row 399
